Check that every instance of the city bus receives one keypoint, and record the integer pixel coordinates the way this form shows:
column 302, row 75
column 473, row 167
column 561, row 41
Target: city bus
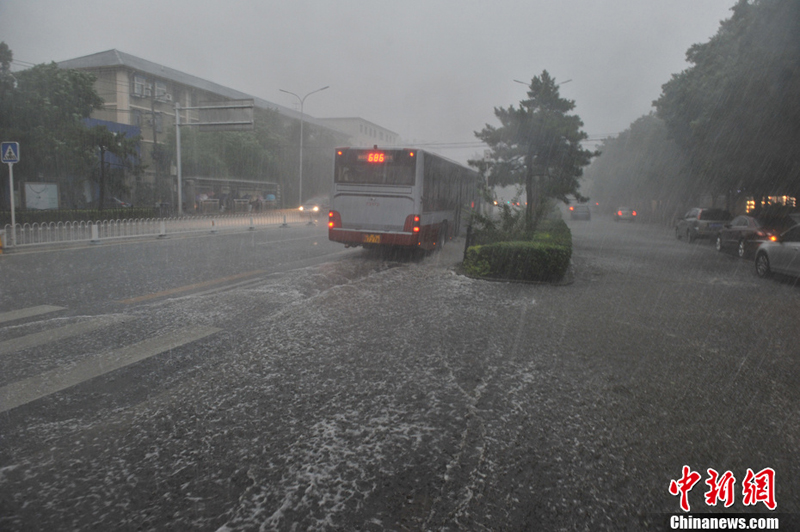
column 400, row 197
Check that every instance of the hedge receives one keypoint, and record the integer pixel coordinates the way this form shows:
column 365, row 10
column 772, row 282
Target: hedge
column 544, row 258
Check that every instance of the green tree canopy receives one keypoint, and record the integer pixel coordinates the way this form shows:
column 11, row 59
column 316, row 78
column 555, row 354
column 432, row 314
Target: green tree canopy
column 538, row 145
column 735, row 111
column 43, row 109
column 126, row 156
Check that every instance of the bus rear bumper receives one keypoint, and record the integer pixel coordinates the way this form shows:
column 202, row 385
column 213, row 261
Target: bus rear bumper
column 351, row 237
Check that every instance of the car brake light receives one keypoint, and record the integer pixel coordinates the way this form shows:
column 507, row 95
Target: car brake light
column 634, row 213
column 572, row 208
column 773, row 238
column 619, row 213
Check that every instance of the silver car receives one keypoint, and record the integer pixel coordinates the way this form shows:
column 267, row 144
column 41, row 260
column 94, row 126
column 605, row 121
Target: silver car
column 780, row 255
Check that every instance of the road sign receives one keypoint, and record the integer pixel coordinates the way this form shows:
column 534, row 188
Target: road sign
column 10, row 152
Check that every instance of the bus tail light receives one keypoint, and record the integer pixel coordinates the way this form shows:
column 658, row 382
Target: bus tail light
column 334, row 220
column 412, row 224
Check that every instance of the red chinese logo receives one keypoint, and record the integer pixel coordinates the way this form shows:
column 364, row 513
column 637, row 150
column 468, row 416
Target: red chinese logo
column 757, row 487
column 684, row 486
column 720, row 488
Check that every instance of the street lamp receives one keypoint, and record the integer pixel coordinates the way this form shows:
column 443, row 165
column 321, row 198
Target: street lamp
column 302, row 100
column 527, row 84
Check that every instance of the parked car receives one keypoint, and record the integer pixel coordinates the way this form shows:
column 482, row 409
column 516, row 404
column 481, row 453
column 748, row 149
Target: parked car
column 580, row 211
column 624, row 214
column 701, row 223
column 780, row 254
column 745, row 233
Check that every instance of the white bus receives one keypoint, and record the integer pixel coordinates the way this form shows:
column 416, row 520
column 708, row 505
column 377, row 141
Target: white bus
column 399, row 197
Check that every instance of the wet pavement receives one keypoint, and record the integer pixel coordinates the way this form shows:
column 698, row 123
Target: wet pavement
column 370, row 392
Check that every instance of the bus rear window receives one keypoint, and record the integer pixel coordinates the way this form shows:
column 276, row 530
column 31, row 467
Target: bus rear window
column 370, row 174
column 396, row 171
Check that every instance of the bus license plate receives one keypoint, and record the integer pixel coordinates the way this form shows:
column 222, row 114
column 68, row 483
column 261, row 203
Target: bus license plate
column 371, row 239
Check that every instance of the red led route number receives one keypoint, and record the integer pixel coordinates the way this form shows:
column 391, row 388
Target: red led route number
column 374, row 157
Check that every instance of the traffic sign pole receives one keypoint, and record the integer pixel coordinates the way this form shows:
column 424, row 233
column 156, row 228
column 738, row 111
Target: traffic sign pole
column 13, row 220
column 9, row 153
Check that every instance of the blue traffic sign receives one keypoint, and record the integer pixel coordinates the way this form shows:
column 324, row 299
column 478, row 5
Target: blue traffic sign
column 9, row 152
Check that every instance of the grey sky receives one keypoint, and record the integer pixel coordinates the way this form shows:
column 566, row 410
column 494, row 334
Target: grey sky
column 432, row 71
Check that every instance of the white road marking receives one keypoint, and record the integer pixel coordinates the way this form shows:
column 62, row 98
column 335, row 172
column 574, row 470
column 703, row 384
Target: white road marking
column 28, row 312
column 53, row 335
column 36, row 387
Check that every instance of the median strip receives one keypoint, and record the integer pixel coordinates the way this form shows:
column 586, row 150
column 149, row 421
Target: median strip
column 36, row 387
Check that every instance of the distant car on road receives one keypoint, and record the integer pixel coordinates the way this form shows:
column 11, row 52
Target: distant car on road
column 745, row 233
column 316, row 205
column 780, row 254
column 624, row 214
column 701, row 223
column 580, row 211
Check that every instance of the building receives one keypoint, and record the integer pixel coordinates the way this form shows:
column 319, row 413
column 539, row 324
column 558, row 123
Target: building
column 363, row 133
column 144, row 94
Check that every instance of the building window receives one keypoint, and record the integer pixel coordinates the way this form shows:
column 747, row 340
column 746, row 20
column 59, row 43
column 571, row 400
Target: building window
column 161, row 90
column 139, row 84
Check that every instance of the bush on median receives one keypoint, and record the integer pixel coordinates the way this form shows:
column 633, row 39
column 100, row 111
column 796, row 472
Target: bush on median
column 543, row 256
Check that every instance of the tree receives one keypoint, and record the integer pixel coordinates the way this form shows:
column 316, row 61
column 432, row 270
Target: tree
column 42, row 108
column 125, row 153
column 735, row 110
column 538, row 146
column 642, row 168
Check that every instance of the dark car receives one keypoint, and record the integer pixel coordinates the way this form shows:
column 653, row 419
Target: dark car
column 580, row 211
column 745, row 233
column 701, row 223
column 780, row 254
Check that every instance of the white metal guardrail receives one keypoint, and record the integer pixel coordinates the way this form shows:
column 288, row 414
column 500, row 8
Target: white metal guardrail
column 66, row 232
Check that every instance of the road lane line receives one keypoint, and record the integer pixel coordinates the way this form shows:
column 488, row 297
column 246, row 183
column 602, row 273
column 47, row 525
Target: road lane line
column 59, row 333
column 191, row 287
column 28, row 312
column 38, row 386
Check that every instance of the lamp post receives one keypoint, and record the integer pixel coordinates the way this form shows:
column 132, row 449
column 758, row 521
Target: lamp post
column 528, row 84
column 302, row 101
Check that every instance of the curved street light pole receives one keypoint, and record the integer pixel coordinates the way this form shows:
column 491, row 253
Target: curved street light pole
column 528, row 84
column 302, row 101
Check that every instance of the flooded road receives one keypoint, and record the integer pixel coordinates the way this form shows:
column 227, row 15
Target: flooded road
column 356, row 391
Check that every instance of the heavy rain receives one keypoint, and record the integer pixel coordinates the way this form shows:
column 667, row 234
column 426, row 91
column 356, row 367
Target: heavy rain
column 428, row 266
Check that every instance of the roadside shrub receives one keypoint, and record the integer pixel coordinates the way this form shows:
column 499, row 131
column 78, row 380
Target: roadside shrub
column 541, row 256
column 519, row 261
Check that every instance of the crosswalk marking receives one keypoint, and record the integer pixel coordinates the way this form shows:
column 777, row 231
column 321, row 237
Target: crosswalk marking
column 53, row 335
column 36, row 387
column 28, row 312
